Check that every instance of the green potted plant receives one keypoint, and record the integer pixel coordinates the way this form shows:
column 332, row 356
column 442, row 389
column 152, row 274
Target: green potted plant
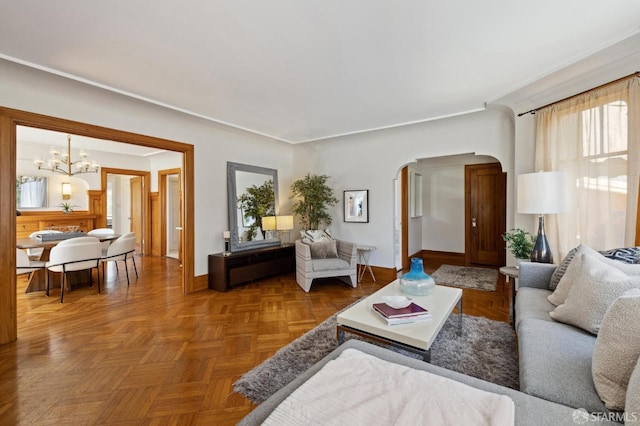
column 520, row 242
column 314, row 197
column 66, row 207
column 256, row 203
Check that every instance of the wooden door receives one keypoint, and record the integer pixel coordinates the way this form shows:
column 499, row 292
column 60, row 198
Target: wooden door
column 485, row 213
column 136, row 208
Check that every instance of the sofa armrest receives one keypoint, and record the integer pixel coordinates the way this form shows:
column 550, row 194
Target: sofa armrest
column 536, row 275
column 347, row 252
column 303, row 251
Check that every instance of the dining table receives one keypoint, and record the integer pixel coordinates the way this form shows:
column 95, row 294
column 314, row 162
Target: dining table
column 37, row 280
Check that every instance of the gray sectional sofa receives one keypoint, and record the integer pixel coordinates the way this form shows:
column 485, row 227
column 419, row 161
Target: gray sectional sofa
column 555, row 358
column 556, row 385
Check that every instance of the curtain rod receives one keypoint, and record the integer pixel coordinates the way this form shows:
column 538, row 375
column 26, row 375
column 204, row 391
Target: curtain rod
column 533, row 111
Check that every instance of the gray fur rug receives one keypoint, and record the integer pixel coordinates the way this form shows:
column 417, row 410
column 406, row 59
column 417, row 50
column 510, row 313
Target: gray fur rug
column 466, row 276
column 485, row 349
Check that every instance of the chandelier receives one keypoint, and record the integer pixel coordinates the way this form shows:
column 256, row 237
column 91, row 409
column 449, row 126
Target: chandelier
column 60, row 162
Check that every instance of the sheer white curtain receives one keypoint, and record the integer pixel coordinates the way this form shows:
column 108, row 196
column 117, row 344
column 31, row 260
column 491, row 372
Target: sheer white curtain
column 595, row 138
column 33, row 192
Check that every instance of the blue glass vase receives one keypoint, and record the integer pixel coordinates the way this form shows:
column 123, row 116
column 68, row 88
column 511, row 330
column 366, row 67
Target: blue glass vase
column 416, row 281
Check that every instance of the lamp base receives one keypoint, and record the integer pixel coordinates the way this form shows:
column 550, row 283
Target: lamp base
column 541, row 251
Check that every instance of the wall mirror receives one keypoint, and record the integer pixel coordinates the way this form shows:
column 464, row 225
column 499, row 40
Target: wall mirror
column 31, row 192
column 252, row 196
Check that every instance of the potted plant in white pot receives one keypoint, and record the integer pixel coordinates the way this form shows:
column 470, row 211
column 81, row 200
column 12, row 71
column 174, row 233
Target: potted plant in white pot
column 520, row 242
column 314, row 197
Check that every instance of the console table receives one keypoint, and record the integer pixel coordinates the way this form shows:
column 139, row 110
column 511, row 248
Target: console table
column 229, row 270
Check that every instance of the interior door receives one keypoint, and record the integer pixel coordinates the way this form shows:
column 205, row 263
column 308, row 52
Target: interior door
column 136, row 208
column 485, row 212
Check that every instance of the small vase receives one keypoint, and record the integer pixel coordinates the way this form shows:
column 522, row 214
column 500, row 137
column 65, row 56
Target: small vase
column 416, row 282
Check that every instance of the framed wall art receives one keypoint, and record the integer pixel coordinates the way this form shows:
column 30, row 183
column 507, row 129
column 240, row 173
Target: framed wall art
column 356, row 206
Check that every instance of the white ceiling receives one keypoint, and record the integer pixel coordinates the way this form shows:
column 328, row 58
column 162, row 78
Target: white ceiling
column 300, row 70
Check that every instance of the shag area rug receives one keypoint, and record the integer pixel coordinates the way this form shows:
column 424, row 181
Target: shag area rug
column 485, row 349
column 467, row 277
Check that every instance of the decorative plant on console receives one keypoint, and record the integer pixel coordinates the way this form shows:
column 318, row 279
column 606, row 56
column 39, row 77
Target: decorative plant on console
column 314, row 198
column 66, row 207
column 256, row 203
column 520, row 242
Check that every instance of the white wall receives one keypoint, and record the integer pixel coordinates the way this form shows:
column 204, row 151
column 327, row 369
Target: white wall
column 31, row 90
column 164, row 161
column 443, row 219
column 443, row 207
column 372, row 160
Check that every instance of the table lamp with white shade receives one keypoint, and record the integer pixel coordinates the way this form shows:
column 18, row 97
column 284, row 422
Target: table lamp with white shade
column 542, row 193
column 284, row 224
column 269, row 225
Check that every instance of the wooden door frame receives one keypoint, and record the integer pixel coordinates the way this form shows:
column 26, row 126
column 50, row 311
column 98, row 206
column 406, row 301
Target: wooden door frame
column 146, row 201
column 162, row 195
column 9, row 119
column 404, row 212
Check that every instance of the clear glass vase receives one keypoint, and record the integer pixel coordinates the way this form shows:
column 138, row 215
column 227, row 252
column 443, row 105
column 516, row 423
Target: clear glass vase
column 416, row 282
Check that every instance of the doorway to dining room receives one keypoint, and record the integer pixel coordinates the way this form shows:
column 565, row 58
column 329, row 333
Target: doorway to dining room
column 10, row 119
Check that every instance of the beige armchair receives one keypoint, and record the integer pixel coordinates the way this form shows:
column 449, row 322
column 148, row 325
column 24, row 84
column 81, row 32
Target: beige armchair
column 343, row 267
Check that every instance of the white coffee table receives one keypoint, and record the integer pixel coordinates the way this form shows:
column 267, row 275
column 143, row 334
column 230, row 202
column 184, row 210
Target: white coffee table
column 414, row 337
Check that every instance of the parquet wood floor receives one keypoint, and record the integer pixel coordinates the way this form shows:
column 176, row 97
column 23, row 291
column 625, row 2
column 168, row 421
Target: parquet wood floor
column 149, row 355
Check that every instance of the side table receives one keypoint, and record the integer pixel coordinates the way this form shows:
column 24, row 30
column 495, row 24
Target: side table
column 364, row 254
column 511, row 273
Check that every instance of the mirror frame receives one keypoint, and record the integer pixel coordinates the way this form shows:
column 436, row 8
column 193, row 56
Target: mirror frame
column 232, row 202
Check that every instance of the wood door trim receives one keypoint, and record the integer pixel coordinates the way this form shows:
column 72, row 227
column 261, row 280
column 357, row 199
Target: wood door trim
column 9, row 119
column 146, row 200
column 404, row 212
column 8, row 302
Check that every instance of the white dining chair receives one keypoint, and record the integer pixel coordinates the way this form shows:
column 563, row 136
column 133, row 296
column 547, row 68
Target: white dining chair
column 70, row 257
column 100, row 232
column 24, row 265
column 36, row 253
column 121, row 249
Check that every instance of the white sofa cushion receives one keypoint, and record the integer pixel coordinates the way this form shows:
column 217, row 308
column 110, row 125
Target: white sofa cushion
column 596, row 285
column 617, row 349
column 323, row 250
column 574, row 268
column 330, row 264
column 315, row 235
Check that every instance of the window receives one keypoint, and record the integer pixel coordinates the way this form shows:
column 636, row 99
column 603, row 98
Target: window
column 31, row 192
column 588, row 136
